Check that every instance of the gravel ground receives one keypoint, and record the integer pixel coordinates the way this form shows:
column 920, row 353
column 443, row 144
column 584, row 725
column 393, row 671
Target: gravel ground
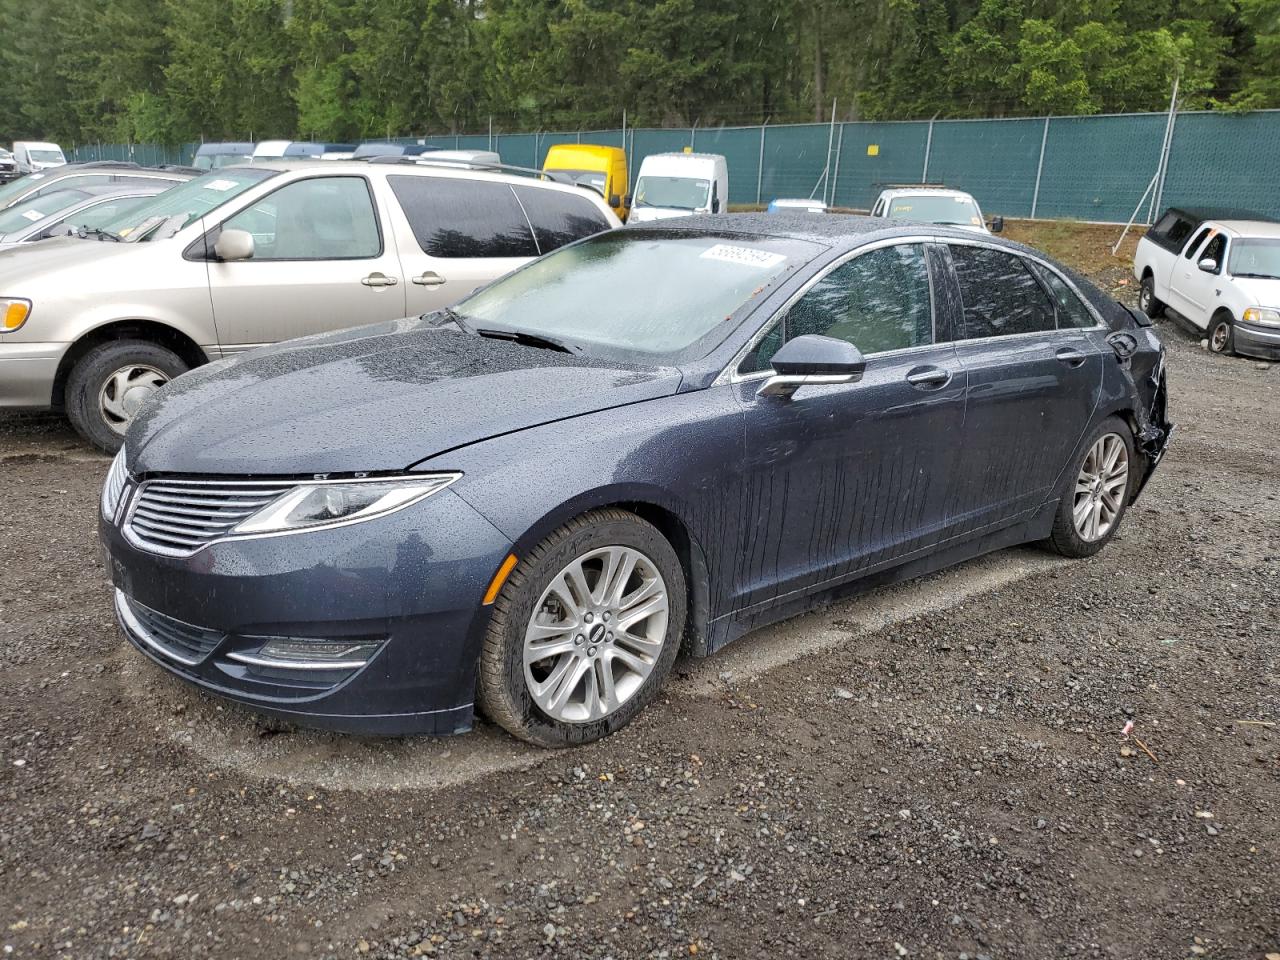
column 932, row 771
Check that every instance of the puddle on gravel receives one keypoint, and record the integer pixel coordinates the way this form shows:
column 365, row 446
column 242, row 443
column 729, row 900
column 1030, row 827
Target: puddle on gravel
column 231, row 737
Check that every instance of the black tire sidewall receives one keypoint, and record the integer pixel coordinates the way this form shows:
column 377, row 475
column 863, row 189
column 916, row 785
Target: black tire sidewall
column 1066, row 539
column 616, row 529
column 91, row 372
column 1148, row 292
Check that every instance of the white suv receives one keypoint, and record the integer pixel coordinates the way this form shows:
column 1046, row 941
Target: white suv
column 245, row 256
column 929, row 204
column 1221, row 275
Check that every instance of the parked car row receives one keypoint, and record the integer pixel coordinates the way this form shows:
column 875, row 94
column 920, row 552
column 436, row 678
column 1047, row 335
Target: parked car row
column 94, row 324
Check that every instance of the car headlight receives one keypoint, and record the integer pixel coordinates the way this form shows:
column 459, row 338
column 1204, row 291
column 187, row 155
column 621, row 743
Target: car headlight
column 13, row 313
column 325, row 503
column 113, row 486
column 1262, row 315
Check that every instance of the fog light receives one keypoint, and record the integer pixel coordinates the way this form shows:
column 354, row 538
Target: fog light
column 301, row 653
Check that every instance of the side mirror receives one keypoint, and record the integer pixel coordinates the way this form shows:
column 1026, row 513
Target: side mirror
column 997, row 224
column 813, row 360
column 234, row 245
column 1208, row 265
column 615, row 200
column 626, row 201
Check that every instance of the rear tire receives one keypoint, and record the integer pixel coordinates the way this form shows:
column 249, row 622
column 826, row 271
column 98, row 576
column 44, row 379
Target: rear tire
column 109, row 384
column 612, row 663
column 1147, row 301
column 1222, row 334
column 1095, row 492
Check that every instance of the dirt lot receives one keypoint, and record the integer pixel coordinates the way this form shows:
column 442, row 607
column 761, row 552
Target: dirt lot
column 936, row 770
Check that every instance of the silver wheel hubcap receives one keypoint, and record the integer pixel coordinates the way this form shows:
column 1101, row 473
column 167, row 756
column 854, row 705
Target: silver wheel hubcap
column 125, row 391
column 1101, row 488
column 1219, row 340
column 595, row 635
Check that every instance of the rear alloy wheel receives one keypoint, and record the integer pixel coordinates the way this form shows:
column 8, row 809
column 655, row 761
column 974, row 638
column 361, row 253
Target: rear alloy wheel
column 111, row 383
column 1221, row 334
column 1147, row 301
column 584, row 631
column 1094, row 501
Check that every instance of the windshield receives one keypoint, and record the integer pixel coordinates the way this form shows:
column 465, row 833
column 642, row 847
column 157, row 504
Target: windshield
column 681, row 193
column 925, row 208
column 22, row 215
column 47, row 156
column 1255, row 258
column 643, row 296
column 590, row 178
column 168, row 212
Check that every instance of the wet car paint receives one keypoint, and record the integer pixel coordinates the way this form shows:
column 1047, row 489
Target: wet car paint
column 774, row 505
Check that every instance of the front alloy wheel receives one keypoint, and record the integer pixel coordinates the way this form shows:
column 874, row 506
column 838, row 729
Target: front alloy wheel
column 1220, row 335
column 584, row 631
column 595, row 634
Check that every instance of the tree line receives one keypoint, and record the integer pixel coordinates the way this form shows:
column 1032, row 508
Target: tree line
column 171, row 71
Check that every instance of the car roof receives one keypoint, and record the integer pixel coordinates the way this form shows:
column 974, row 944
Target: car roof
column 925, row 188
column 419, row 166
column 1201, row 214
column 1251, row 228
column 834, row 229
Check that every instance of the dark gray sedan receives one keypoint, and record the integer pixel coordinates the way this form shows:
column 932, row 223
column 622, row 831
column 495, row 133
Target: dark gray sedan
column 651, row 440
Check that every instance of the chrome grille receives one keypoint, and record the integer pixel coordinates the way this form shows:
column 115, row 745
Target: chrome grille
column 176, row 639
column 181, row 516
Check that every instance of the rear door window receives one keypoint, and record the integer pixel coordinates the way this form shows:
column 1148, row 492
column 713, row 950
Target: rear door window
column 559, row 218
column 1001, row 297
column 454, row 218
column 1072, row 313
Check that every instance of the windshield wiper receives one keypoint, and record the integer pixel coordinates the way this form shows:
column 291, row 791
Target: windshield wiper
column 528, row 339
column 1257, row 276
column 454, row 317
column 100, row 234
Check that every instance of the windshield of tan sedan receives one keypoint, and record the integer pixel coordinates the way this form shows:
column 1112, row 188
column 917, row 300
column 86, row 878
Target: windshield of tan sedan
column 644, row 296
column 1255, row 258
column 957, row 211
column 680, row 193
column 172, row 210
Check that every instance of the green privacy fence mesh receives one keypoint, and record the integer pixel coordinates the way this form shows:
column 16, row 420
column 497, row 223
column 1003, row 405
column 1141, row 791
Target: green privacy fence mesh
column 1082, row 168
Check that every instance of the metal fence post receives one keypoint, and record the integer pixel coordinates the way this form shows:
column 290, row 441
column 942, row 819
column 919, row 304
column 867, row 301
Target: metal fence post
column 1162, row 169
column 1035, row 195
column 760, row 165
column 835, row 176
column 928, row 149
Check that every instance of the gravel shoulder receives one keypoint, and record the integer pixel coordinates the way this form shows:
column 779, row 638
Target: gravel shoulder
column 940, row 772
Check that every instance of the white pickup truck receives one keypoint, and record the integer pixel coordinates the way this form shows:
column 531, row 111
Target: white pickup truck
column 1219, row 274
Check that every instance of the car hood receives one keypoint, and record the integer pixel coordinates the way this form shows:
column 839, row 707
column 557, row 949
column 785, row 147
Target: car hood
column 27, row 262
column 1259, row 291
column 374, row 398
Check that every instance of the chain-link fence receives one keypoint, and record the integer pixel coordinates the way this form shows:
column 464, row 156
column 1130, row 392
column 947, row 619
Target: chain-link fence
column 1080, row 168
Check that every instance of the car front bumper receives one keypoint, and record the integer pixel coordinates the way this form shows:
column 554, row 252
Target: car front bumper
column 412, row 581
column 27, row 372
column 1255, row 340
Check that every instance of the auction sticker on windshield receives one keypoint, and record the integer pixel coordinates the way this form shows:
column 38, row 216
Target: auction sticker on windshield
column 747, row 256
column 220, row 185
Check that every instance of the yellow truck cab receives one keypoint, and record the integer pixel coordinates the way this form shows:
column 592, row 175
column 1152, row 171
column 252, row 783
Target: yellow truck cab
column 604, row 168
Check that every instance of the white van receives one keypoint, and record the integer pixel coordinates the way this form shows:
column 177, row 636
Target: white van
column 34, row 156
column 679, row 185
column 270, row 150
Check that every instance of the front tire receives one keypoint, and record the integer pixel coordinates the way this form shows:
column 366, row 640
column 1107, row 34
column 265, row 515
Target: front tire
column 1222, row 334
column 110, row 382
column 1095, row 493
column 584, row 631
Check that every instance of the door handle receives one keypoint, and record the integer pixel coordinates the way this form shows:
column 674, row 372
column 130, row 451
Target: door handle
column 379, row 280
column 928, row 377
column 1070, row 356
column 429, row 278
